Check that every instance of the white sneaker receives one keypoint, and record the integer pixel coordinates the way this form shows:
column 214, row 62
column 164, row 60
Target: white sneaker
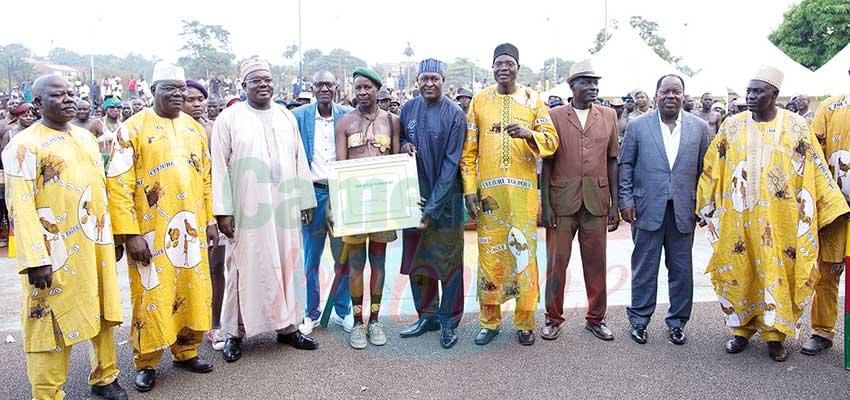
column 358, row 340
column 307, row 327
column 346, row 323
column 217, row 339
column 376, row 334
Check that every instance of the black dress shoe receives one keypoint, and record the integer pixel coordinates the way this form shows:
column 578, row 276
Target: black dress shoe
column 232, row 350
column 298, row 340
column 525, row 338
column 638, row 333
column 145, row 379
column 677, row 336
column 777, row 351
column 448, row 338
column 485, row 336
column 737, row 344
column 112, row 391
column 815, row 345
column 600, row 330
column 419, row 327
column 194, row 364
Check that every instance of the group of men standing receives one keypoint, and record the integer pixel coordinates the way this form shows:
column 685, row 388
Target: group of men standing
column 177, row 186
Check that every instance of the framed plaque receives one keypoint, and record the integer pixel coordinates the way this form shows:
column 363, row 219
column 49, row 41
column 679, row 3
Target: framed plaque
column 374, row 194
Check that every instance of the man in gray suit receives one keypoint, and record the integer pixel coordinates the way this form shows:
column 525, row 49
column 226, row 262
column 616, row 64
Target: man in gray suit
column 660, row 164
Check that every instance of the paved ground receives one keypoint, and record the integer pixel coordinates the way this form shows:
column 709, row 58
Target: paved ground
column 575, row 366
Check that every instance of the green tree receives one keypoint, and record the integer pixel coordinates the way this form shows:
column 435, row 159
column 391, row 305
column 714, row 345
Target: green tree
column 562, row 71
column 13, row 57
column 290, row 51
column 648, row 31
column 461, row 71
column 602, row 36
column 526, row 76
column 814, row 31
column 207, row 50
column 338, row 62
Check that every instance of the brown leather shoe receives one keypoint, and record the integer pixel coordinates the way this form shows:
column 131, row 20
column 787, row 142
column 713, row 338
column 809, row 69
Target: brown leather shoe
column 550, row 330
column 600, row 330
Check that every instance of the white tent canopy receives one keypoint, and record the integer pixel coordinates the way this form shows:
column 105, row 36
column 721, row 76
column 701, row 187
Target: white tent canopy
column 832, row 76
column 625, row 63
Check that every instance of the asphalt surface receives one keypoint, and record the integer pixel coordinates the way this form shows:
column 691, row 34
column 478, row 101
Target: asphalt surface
column 577, row 365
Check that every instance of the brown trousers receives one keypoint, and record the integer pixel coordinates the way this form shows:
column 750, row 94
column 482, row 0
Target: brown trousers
column 592, row 235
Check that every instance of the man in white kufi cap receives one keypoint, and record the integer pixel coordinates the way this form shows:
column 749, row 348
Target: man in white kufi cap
column 159, row 185
column 764, row 194
column 262, row 194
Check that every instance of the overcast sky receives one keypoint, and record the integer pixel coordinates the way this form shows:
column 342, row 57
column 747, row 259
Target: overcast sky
column 378, row 30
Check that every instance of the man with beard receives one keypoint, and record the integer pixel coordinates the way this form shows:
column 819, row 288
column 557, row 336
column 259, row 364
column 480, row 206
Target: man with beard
column 707, row 113
column 434, row 128
column 765, row 187
column 158, row 179
column 508, row 130
column 368, row 131
column 656, row 195
column 579, row 196
column 317, row 123
column 70, row 282
column 259, row 163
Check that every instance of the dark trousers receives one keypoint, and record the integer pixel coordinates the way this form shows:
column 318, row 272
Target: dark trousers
column 646, row 259
column 592, row 236
column 425, row 287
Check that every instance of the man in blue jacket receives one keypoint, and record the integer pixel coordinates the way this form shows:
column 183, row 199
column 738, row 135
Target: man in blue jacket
column 316, row 122
column 660, row 164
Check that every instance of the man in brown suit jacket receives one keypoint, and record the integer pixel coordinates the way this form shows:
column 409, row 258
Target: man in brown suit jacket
column 579, row 190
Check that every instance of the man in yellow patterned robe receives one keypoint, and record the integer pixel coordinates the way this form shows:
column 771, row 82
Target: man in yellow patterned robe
column 509, row 130
column 831, row 126
column 66, row 258
column 765, row 192
column 160, row 200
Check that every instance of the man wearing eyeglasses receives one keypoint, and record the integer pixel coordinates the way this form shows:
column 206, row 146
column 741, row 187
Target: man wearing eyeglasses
column 261, row 196
column 158, row 181
column 316, row 123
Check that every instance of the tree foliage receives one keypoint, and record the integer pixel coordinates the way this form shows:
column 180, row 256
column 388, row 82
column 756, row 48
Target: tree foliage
column 462, row 70
column 562, row 71
column 814, row 31
column 16, row 68
column 602, row 36
column 206, row 50
column 106, row 65
column 339, row 62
